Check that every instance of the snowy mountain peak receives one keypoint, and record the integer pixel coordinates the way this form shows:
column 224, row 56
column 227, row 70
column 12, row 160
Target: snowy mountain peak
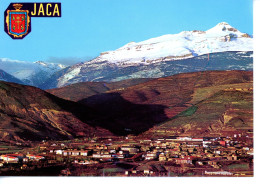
column 224, row 27
column 159, row 50
column 50, row 65
column 223, row 23
column 32, row 73
column 186, row 44
column 41, row 63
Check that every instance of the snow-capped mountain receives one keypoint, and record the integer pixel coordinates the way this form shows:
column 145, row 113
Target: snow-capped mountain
column 186, row 44
column 9, row 78
column 30, row 73
column 153, row 56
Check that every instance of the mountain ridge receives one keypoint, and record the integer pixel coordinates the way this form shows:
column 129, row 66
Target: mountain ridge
column 29, row 113
column 156, row 57
column 138, row 108
column 4, row 76
column 110, row 72
column 30, row 73
column 183, row 45
column 159, row 52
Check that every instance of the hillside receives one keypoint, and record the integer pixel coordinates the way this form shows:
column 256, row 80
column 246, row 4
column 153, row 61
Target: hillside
column 225, row 113
column 200, row 103
column 138, row 108
column 28, row 113
column 79, row 91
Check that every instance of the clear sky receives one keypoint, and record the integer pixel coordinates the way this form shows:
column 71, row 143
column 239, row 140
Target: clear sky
column 88, row 27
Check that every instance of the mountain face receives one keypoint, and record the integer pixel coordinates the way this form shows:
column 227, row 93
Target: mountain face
column 186, row 44
column 199, row 103
column 227, row 112
column 28, row 113
column 82, row 90
column 210, row 101
column 30, row 73
column 164, row 56
column 7, row 77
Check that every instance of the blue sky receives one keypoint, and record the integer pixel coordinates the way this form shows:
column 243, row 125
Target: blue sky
column 88, row 27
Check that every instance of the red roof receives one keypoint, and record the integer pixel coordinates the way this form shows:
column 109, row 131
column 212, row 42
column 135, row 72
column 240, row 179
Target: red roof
column 38, row 156
column 10, row 157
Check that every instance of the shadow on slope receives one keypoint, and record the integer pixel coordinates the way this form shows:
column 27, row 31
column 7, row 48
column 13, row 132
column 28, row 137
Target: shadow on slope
column 123, row 117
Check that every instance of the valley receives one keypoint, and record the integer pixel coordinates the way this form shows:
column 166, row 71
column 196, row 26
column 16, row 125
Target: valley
column 174, row 105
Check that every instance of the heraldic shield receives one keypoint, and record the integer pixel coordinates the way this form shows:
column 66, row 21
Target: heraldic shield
column 18, row 21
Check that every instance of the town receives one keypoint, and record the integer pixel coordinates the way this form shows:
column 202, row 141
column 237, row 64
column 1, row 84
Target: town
column 132, row 156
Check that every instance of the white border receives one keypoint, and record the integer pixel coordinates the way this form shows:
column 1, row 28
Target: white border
column 179, row 180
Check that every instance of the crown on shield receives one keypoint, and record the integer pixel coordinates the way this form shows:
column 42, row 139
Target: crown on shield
column 17, row 6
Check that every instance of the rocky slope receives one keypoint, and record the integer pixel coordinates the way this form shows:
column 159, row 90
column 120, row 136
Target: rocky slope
column 82, row 90
column 9, row 78
column 227, row 112
column 140, row 107
column 28, row 113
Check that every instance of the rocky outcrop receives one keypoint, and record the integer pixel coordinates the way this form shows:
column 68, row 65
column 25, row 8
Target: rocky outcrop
column 245, row 35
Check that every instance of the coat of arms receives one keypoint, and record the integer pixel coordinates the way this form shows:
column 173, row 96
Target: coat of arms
column 18, row 22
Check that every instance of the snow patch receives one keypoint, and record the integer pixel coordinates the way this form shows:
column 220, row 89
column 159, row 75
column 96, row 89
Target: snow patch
column 68, row 76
